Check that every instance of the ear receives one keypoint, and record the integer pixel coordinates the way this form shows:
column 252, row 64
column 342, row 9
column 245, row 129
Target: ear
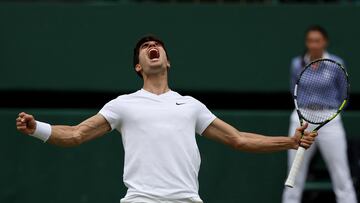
column 138, row 68
column 168, row 64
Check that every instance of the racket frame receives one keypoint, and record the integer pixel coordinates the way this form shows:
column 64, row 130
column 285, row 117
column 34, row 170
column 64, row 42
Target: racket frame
column 290, row 181
column 321, row 124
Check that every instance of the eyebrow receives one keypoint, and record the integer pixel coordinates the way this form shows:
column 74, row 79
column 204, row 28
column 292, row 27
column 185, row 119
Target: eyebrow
column 145, row 44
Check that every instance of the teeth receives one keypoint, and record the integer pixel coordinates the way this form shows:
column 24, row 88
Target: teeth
column 153, row 53
column 151, row 50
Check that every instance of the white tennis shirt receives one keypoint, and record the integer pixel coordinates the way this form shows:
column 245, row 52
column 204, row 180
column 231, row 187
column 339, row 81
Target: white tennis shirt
column 158, row 133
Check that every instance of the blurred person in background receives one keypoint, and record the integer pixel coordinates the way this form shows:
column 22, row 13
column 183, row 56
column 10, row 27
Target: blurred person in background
column 331, row 142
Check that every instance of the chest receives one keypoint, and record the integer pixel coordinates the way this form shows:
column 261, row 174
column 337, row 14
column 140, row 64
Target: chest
column 156, row 113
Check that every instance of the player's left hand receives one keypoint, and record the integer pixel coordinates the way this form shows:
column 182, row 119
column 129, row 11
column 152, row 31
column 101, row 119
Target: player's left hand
column 306, row 140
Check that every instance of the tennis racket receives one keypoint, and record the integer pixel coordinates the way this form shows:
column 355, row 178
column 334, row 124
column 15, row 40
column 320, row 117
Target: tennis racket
column 320, row 94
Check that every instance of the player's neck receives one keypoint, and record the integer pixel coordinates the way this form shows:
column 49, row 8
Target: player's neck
column 156, row 85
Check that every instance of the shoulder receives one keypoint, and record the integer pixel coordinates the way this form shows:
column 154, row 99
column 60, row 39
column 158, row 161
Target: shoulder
column 187, row 99
column 194, row 101
column 296, row 61
column 123, row 98
column 336, row 58
column 296, row 65
column 191, row 99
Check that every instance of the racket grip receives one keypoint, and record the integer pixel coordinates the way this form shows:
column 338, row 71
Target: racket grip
column 290, row 181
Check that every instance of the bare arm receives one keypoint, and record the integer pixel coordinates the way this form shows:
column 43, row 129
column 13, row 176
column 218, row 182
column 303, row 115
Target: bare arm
column 220, row 131
column 67, row 136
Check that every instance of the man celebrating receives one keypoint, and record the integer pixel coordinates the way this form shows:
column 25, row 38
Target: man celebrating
column 158, row 129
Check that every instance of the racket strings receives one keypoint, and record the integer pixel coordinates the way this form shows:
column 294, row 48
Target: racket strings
column 321, row 90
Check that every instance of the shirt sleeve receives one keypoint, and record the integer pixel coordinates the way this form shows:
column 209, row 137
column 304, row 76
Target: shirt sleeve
column 110, row 111
column 204, row 118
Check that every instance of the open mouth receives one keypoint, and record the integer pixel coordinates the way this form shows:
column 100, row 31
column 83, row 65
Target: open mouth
column 153, row 53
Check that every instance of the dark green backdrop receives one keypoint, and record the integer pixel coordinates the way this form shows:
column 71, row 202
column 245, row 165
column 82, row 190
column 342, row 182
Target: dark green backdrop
column 78, row 47
column 231, row 48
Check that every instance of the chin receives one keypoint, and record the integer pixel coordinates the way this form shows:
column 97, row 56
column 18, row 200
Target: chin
column 157, row 69
column 156, row 65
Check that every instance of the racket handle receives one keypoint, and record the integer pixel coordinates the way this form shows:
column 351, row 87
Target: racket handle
column 290, row 181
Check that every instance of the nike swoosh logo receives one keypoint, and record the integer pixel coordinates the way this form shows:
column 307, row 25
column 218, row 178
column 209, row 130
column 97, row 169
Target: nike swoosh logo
column 180, row 103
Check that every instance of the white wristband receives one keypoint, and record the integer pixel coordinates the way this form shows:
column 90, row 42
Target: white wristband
column 42, row 131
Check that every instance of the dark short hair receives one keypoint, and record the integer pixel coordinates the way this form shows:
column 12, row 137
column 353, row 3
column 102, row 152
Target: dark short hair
column 141, row 41
column 317, row 28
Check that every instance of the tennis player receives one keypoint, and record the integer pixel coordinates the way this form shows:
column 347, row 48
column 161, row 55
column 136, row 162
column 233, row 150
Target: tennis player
column 332, row 144
column 158, row 129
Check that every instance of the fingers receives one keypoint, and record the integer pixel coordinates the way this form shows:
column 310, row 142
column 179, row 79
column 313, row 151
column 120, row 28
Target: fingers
column 303, row 127
column 313, row 134
column 306, row 142
column 299, row 132
column 21, row 115
column 310, row 135
column 25, row 123
column 304, row 138
column 305, row 145
column 18, row 123
column 308, row 139
column 27, row 118
column 24, row 117
column 21, row 128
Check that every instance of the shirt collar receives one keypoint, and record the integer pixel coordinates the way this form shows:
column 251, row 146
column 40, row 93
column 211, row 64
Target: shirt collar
column 325, row 55
column 167, row 94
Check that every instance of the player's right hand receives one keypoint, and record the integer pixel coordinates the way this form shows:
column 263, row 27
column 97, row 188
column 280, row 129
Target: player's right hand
column 25, row 123
column 304, row 138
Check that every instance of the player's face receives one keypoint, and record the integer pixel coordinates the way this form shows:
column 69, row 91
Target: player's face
column 316, row 44
column 152, row 58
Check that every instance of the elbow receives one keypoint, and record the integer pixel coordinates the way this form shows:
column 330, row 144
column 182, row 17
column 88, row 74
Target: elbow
column 236, row 141
column 238, row 144
column 75, row 139
column 244, row 144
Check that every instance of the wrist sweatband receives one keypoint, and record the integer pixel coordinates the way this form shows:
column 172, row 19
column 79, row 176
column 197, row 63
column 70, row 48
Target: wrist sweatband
column 42, row 131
